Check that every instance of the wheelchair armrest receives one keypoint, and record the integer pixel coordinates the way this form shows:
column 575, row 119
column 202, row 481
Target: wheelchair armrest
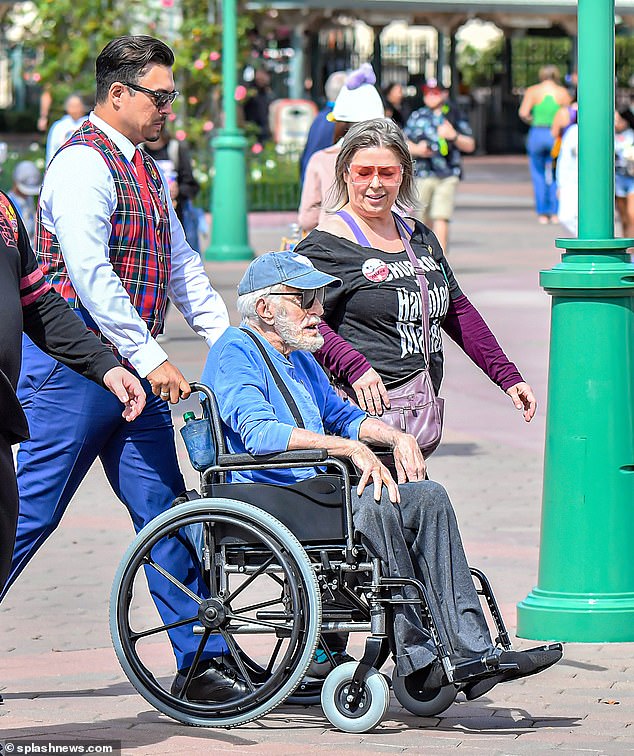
column 300, row 456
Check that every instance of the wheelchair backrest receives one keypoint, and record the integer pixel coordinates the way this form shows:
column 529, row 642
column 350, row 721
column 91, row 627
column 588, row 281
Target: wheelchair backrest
column 311, row 509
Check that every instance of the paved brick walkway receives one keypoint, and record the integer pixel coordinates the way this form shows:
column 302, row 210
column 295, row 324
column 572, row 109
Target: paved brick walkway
column 60, row 677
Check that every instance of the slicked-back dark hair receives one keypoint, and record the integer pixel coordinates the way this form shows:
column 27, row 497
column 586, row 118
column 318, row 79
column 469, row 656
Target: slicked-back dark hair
column 127, row 59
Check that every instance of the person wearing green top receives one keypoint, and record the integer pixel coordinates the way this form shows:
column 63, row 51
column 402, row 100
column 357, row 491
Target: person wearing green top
column 538, row 108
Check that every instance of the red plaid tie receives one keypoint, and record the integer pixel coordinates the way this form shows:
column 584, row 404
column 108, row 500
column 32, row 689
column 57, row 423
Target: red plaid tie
column 141, row 173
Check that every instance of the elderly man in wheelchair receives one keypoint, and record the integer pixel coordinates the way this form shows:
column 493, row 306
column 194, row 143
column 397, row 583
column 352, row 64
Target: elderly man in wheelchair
column 401, row 573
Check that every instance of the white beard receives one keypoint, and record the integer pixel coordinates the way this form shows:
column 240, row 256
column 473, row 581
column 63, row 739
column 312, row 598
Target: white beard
column 293, row 335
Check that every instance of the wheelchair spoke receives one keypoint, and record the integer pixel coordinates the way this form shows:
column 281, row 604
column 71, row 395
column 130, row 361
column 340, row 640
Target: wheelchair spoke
column 151, row 563
column 276, row 578
column 162, row 628
column 273, row 659
column 234, row 650
column 249, row 580
column 259, row 605
column 253, row 620
column 210, row 542
column 194, row 665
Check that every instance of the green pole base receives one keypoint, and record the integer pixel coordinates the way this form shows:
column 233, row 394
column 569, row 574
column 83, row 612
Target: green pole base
column 227, row 252
column 554, row 616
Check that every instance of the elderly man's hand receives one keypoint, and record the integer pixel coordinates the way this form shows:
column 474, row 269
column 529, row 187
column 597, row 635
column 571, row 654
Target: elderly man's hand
column 408, row 458
column 371, row 393
column 371, row 467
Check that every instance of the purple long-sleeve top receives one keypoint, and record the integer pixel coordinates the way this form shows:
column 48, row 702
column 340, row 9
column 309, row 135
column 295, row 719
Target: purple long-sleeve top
column 463, row 323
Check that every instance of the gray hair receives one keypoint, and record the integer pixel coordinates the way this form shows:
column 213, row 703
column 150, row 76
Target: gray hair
column 72, row 96
column 334, row 84
column 246, row 303
column 379, row 132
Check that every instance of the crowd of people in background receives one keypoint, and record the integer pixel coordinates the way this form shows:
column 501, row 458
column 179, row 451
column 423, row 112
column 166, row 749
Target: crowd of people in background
column 438, row 134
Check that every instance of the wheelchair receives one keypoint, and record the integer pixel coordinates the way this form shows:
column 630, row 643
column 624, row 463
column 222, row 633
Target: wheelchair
column 282, row 569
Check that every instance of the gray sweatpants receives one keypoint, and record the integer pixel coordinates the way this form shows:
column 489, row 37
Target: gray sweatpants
column 420, row 538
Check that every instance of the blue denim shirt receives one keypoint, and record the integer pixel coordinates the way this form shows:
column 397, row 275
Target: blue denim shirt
column 256, row 416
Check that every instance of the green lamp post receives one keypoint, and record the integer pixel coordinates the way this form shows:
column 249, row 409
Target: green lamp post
column 229, row 235
column 585, row 588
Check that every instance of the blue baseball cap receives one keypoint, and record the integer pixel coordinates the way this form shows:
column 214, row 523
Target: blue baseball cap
column 284, row 268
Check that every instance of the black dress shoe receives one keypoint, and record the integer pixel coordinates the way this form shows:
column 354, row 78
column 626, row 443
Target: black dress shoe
column 215, row 682
column 527, row 662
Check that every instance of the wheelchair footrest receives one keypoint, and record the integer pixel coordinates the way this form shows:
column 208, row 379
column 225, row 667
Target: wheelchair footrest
column 484, row 666
column 548, row 647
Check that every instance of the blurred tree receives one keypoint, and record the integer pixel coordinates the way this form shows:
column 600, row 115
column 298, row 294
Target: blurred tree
column 68, row 32
column 198, row 50
column 479, row 65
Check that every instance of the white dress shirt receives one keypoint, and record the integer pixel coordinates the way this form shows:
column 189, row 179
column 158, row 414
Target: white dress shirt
column 78, row 199
column 61, row 131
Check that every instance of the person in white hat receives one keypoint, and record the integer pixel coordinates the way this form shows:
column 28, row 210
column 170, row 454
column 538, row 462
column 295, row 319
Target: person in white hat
column 27, row 181
column 358, row 100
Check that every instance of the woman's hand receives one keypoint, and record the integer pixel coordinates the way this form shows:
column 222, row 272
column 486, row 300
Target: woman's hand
column 523, row 398
column 408, row 458
column 371, row 393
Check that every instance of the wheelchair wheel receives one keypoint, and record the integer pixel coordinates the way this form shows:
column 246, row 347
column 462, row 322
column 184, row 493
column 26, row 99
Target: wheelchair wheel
column 419, row 703
column 256, row 593
column 372, row 707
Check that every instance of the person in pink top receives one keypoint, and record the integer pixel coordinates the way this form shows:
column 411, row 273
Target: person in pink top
column 358, row 100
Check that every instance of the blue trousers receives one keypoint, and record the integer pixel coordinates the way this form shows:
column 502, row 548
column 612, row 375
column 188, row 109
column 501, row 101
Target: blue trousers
column 72, row 422
column 538, row 145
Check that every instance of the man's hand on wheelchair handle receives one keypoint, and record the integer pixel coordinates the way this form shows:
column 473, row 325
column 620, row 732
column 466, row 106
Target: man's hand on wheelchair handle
column 168, row 383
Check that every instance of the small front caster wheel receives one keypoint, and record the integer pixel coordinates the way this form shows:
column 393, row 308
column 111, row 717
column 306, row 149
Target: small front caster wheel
column 375, row 698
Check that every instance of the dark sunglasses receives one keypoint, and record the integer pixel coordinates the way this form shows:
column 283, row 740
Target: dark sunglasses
column 305, row 298
column 161, row 99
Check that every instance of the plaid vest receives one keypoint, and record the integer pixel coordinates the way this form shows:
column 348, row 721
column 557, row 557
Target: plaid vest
column 140, row 245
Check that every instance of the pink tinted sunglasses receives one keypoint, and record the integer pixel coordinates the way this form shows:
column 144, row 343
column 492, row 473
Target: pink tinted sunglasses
column 389, row 175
